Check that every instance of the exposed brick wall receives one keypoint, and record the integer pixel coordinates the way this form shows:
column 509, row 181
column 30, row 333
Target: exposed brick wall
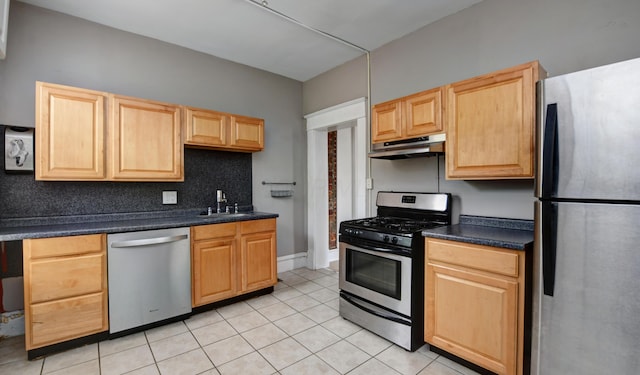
column 332, row 147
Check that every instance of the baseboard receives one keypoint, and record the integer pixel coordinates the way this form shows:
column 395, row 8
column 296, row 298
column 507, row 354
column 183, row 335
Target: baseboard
column 334, row 255
column 291, row 262
column 298, row 260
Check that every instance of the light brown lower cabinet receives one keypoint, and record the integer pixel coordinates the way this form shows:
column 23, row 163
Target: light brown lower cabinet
column 231, row 259
column 65, row 290
column 474, row 303
column 258, row 264
column 214, row 262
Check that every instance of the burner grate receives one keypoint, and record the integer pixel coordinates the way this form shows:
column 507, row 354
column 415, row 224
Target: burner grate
column 393, row 224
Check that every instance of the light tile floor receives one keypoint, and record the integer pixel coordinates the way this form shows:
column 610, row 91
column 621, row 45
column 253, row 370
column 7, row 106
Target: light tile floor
column 295, row 330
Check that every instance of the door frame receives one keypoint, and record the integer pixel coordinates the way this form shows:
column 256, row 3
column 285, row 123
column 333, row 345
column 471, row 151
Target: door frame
column 352, row 114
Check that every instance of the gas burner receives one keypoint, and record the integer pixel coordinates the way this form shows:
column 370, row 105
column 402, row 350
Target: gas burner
column 412, row 226
column 394, row 224
column 380, row 221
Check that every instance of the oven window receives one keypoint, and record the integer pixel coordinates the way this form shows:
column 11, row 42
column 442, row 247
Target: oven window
column 373, row 272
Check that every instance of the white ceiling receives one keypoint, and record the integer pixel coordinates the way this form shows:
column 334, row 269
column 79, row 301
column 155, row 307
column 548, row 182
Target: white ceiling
column 243, row 31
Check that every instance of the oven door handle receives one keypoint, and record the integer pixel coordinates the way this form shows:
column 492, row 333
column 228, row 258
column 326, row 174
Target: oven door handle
column 366, row 246
column 375, row 311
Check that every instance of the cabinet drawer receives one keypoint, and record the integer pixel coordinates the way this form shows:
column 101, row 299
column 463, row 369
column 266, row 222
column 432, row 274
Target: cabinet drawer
column 63, row 320
column 62, row 246
column 205, row 232
column 478, row 257
column 254, row 226
column 66, row 277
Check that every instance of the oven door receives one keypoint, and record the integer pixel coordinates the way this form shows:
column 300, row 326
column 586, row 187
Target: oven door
column 377, row 275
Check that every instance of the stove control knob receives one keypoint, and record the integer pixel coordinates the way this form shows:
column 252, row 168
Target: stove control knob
column 385, row 238
column 394, row 240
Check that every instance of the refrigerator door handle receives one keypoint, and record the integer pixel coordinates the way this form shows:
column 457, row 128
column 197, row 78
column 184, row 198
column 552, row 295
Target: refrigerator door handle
column 550, row 152
column 549, row 245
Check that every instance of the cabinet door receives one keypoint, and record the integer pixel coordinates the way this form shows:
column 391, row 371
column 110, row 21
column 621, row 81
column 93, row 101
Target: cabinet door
column 258, row 261
column 247, row 133
column 70, row 133
column 386, row 121
column 146, row 140
column 473, row 316
column 206, row 128
column 423, row 113
column 490, row 125
column 214, row 270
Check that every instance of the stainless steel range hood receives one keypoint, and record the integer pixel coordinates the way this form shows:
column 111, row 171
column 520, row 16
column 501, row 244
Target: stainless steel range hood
column 409, row 148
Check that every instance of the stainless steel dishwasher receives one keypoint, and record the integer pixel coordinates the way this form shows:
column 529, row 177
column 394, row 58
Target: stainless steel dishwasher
column 149, row 277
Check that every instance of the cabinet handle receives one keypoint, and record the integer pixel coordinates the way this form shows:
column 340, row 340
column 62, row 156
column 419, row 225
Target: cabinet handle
column 374, row 311
column 548, row 166
column 549, row 244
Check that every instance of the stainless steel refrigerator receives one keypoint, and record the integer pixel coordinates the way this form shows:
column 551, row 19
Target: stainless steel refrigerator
column 586, row 297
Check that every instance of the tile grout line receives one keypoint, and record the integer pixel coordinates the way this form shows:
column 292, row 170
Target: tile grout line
column 288, row 336
column 296, row 278
column 201, row 348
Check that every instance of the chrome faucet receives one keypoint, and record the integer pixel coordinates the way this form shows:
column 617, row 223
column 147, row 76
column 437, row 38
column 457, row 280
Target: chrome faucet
column 220, row 198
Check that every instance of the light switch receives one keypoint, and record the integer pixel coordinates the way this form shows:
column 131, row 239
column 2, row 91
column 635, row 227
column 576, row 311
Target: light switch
column 169, row 197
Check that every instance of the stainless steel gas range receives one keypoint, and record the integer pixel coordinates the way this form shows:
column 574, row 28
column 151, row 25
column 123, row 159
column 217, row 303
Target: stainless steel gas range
column 382, row 265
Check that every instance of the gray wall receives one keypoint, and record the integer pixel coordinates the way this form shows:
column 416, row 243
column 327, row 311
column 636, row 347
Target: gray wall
column 564, row 36
column 52, row 47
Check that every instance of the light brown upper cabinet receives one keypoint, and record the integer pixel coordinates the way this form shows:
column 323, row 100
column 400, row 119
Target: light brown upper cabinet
column 145, row 140
column 247, row 133
column 76, row 140
column 386, row 121
column 205, row 128
column 222, row 131
column 412, row 116
column 490, row 123
column 70, row 129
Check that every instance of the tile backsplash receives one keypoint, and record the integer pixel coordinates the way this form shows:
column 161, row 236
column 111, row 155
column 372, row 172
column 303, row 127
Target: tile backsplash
column 205, row 171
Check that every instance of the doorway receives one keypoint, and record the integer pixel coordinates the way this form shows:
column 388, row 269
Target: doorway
column 349, row 120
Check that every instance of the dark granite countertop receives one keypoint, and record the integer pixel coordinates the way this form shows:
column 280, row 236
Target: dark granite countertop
column 41, row 227
column 513, row 234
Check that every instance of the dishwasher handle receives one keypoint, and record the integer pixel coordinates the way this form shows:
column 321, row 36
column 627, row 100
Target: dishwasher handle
column 149, row 241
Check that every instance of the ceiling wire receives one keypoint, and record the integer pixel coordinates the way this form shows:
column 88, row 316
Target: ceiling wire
column 265, row 5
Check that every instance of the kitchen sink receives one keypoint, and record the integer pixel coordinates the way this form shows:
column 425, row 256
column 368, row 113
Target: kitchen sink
column 224, row 214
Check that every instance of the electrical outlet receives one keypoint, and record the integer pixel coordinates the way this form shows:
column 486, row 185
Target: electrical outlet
column 169, row 197
column 369, row 183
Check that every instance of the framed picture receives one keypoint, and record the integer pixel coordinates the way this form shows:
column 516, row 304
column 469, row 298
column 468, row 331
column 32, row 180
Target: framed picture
column 18, row 149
